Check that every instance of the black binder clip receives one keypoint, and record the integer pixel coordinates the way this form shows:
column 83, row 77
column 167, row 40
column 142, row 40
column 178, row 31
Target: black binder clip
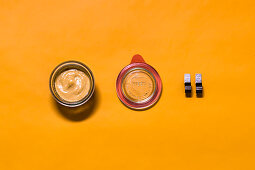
column 199, row 86
column 187, row 85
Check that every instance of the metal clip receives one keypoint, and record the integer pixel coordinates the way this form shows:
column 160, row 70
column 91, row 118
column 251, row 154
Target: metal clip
column 187, row 84
column 199, row 86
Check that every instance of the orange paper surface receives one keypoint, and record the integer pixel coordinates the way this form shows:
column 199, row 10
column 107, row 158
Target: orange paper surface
column 214, row 38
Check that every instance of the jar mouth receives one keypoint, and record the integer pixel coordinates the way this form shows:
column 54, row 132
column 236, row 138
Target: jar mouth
column 138, row 86
column 70, row 65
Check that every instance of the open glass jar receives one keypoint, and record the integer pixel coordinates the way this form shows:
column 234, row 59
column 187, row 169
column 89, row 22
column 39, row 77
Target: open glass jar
column 138, row 85
column 72, row 83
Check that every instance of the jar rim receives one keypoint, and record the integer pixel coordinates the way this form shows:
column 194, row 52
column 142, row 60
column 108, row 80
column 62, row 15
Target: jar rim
column 148, row 103
column 66, row 66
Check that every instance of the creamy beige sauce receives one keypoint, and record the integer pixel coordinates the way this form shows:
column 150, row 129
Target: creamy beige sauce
column 72, row 85
column 138, row 85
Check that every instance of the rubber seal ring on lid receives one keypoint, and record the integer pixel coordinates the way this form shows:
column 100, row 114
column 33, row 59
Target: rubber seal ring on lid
column 138, row 84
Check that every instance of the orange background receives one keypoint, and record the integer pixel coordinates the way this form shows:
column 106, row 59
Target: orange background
column 215, row 38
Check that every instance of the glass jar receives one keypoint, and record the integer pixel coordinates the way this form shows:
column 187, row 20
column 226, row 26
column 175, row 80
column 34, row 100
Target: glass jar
column 138, row 85
column 73, row 67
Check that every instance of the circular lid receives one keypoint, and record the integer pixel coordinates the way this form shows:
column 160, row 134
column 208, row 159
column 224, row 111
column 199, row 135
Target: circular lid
column 138, row 85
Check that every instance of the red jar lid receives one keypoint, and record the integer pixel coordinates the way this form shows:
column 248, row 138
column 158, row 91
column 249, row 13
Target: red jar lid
column 138, row 85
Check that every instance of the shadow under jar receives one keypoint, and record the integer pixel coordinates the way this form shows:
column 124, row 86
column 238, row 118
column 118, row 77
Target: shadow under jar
column 72, row 83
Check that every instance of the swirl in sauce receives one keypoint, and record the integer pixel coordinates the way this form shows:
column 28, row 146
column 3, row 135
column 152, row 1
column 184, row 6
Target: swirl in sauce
column 72, row 85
